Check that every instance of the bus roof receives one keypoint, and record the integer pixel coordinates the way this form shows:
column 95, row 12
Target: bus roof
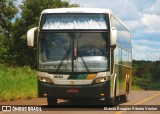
column 77, row 10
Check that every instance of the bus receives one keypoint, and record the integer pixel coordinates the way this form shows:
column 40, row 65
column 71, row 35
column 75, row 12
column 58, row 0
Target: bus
column 83, row 53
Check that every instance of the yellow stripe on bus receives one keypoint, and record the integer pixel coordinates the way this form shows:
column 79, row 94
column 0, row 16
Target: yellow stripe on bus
column 90, row 76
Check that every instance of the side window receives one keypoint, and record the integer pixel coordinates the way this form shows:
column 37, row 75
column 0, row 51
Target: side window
column 119, row 55
column 116, row 55
column 125, row 57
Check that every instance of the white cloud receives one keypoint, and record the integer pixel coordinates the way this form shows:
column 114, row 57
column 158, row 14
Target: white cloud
column 133, row 24
column 145, row 52
column 125, row 9
column 154, row 8
column 148, row 24
column 143, row 4
column 146, row 49
column 150, row 19
column 151, row 23
column 146, row 42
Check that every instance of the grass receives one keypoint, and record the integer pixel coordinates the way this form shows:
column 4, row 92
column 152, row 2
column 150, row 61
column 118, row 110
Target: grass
column 17, row 83
column 136, row 88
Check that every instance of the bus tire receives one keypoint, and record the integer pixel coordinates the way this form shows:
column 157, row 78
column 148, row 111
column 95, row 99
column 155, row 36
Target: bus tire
column 111, row 101
column 52, row 101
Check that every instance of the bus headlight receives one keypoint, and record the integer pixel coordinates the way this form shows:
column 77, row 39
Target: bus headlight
column 101, row 79
column 45, row 79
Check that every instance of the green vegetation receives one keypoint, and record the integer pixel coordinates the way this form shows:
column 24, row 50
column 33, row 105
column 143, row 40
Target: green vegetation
column 17, row 83
column 136, row 88
column 146, row 74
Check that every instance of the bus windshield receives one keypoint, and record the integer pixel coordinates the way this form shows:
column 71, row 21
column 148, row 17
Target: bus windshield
column 57, row 51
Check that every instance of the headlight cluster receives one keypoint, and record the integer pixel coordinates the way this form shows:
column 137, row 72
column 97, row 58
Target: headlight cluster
column 45, row 79
column 101, row 79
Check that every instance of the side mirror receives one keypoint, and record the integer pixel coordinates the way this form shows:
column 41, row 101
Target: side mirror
column 113, row 36
column 31, row 36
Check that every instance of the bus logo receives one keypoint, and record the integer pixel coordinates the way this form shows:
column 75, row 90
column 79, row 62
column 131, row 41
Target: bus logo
column 72, row 82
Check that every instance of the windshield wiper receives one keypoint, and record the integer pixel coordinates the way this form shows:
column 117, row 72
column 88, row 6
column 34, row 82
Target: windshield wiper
column 66, row 56
column 84, row 62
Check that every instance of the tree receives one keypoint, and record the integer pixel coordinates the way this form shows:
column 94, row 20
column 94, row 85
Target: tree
column 31, row 9
column 146, row 74
column 7, row 14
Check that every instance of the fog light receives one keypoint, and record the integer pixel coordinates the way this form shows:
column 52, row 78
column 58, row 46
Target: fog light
column 45, row 94
column 102, row 94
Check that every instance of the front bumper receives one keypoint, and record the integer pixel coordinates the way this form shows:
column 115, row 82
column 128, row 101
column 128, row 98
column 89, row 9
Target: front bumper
column 84, row 91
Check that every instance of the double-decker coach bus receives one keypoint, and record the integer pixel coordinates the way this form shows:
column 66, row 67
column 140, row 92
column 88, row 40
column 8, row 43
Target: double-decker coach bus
column 82, row 53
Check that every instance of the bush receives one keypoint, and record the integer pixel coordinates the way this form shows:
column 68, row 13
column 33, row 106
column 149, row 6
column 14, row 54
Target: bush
column 141, row 82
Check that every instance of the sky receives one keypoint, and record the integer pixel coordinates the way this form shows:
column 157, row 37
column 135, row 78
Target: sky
column 142, row 18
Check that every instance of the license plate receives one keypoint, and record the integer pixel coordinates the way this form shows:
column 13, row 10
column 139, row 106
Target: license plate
column 72, row 90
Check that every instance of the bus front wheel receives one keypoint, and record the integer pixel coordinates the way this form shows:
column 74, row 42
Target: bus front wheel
column 111, row 101
column 51, row 101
